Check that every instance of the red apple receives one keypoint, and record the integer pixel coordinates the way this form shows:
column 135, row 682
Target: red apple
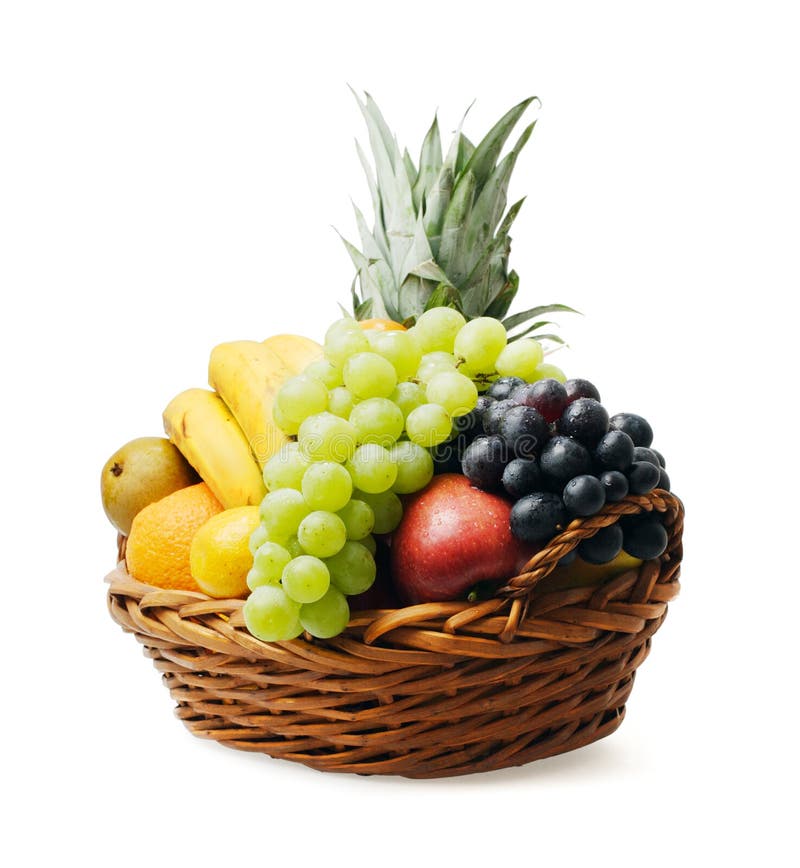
column 453, row 535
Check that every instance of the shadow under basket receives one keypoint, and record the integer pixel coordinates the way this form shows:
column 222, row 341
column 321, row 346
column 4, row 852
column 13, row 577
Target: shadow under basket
column 424, row 691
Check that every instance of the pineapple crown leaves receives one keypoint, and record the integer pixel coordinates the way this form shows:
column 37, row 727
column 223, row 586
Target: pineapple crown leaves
column 441, row 227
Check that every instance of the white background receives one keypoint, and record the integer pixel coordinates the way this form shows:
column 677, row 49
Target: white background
column 170, row 172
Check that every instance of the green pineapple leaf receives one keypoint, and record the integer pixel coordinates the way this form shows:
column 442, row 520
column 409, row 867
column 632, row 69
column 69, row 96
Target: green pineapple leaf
column 482, row 161
column 441, row 226
column 368, row 243
column 455, row 217
column 555, row 338
column 430, row 164
column 411, row 169
column 445, row 296
column 524, row 316
column 530, row 329
column 436, row 204
column 364, row 309
column 503, row 300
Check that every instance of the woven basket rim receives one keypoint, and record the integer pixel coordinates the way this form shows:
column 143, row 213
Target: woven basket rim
column 514, row 622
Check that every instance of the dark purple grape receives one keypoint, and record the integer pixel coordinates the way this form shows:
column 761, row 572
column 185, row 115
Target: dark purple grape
column 522, row 476
column 585, row 419
column 563, row 458
column 615, row 484
column 603, row 547
column 663, row 480
column 484, row 461
column 661, row 459
column 494, row 413
column 568, row 558
column 502, row 388
column 636, row 427
column 578, row 388
column 615, row 451
column 642, row 453
column 524, row 430
column 547, row 396
column 642, row 477
column 584, row 495
column 537, row 517
column 645, row 538
column 471, row 424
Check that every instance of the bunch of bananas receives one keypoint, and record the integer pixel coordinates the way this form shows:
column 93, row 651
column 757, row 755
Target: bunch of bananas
column 228, row 434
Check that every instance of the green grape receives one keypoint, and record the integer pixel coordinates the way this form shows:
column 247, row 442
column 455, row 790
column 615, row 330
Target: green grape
column 344, row 343
column 429, row 425
column 257, row 538
column 254, row 579
column 300, row 397
column 325, row 437
column 342, row 326
column 329, row 375
column 322, row 533
column 408, row 396
column 306, row 579
column 268, row 563
column 353, row 569
column 370, row 544
column 326, row 617
column 453, row 391
column 327, row 485
column 546, row 371
column 271, row 616
column 340, row 402
column 434, row 363
column 399, row 348
column 368, row 375
column 292, row 545
column 414, row 467
column 358, row 518
column 386, row 507
column 286, row 468
column 286, row 425
column 281, row 512
column 520, row 359
column 377, row 420
column 480, row 342
column 436, row 329
column 372, row 468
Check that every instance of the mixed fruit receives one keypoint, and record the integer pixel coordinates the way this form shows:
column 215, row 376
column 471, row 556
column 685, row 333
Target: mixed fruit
column 424, row 452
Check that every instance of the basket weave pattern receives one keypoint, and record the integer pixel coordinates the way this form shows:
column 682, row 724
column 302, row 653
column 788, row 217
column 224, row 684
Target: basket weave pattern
column 430, row 690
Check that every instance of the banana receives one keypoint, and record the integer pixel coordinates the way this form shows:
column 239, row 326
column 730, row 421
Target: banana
column 205, row 431
column 247, row 376
column 295, row 351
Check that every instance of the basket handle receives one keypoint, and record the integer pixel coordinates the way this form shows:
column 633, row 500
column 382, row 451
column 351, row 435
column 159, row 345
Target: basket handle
column 520, row 588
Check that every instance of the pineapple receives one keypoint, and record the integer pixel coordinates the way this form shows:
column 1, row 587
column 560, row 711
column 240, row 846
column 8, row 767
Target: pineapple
column 440, row 235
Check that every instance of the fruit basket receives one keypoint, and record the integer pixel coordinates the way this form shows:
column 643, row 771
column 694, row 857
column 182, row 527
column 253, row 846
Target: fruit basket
column 417, row 548
column 423, row 691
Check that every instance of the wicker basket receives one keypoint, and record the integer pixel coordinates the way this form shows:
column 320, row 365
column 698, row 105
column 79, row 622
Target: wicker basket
column 424, row 691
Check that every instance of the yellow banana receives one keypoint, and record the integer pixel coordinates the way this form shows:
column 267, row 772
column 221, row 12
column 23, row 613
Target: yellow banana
column 295, row 351
column 247, row 376
column 205, row 431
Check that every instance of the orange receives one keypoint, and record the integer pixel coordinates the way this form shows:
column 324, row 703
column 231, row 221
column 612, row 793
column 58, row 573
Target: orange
column 382, row 325
column 161, row 537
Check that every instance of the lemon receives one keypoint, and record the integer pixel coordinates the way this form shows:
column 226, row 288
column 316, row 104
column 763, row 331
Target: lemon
column 220, row 555
column 580, row 574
